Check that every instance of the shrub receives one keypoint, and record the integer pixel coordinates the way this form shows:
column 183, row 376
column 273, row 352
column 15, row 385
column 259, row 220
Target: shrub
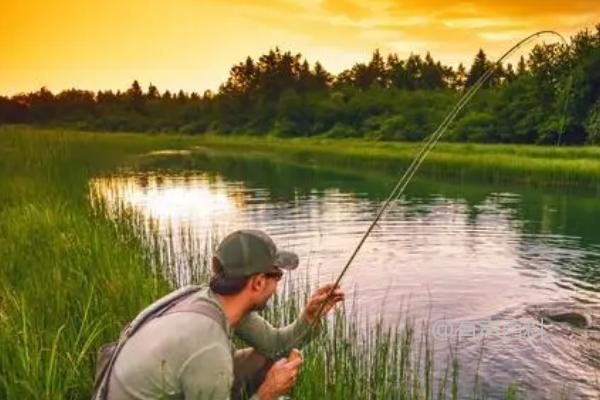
column 476, row 126
column 342, row 131
column 592, row 124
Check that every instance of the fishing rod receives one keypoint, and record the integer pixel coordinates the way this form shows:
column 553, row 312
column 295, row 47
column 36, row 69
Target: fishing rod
column 429, row 144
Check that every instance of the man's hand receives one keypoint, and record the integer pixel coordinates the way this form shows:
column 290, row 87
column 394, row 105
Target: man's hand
column 281, row 377
column 316, row 300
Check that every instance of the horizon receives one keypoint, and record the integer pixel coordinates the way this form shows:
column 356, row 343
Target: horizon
column 167, row 46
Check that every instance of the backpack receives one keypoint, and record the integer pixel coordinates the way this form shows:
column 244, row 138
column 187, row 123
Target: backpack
column 180, row 300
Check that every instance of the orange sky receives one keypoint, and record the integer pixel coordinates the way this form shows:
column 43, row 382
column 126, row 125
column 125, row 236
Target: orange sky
column 191, row 44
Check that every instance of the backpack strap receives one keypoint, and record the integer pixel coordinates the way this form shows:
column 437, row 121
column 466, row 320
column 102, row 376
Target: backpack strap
column 155, row 309
column 200, row 305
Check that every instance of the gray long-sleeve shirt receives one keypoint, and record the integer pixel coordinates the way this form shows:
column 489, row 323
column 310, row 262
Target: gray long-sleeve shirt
column 187, row 355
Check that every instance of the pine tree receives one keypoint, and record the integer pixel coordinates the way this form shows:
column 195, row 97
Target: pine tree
column 509, row 73
column 136, row 96
column 376, row 69
column 480, row 66
column 460, row 78
column 521, row 67
column 322, row 78
column 152, row 92
column 433, row 74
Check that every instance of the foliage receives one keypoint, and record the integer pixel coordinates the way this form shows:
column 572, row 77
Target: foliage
column 476, row 125
column 592, row 125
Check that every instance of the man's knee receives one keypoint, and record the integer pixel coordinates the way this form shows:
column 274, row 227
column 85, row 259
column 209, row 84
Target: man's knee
column 249, row 369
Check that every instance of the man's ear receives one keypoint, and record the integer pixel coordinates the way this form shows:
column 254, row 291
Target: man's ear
column 257, row 283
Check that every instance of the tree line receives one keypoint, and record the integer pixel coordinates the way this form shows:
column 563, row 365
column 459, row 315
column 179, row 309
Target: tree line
column 551, row 95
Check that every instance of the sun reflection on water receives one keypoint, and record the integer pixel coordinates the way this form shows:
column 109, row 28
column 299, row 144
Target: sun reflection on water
column 197, row 198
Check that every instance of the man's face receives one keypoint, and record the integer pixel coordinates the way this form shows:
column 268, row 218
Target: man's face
column 269, row 286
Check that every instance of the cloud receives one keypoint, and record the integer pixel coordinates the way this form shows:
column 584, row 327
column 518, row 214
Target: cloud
column 347, row 8
column 477, row 23
column 208, row 36
column 503, row 36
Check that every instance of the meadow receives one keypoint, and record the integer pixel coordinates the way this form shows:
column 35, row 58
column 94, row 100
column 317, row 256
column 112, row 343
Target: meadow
column 71, row 276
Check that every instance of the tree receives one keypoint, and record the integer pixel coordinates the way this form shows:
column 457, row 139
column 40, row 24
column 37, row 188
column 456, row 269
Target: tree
column 414, row 72
column 243, row 78
column 376, row 69
column 397, row 74
column 152, row 92
column 363, row 76
column 41, row 104
column 136, row 96
column 521, row 67
column 460, row 78
column 475, row 126
column 433, row 74
column 478, row 69
column 480, row 66
column 75, row 104
column 12, row 111
column 181, row 96
column 592, row 124
column 509, row 73
column 321, row 78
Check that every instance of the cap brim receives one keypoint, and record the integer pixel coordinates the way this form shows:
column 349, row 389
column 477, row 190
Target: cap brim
column 286, row 260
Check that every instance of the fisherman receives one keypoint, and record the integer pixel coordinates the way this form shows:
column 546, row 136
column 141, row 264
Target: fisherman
column 187, row 352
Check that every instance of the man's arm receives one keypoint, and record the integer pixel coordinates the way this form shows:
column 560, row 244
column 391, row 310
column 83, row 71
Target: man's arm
column 274, row 342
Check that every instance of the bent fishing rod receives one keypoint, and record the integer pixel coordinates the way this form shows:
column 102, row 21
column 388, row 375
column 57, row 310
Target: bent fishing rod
column 429, row 144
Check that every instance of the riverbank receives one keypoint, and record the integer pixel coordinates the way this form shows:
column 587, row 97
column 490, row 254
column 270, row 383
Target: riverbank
column 538, row 166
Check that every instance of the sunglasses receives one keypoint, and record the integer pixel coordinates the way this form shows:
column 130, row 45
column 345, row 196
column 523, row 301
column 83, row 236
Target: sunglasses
column 277, row 275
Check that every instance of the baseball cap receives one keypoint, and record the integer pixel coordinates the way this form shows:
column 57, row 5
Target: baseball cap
column 249, row 251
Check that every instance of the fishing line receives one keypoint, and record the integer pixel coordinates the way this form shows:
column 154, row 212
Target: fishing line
column 428, row 145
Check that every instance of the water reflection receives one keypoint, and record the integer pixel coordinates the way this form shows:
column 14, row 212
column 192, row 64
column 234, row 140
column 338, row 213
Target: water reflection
column 170, row 198
column 452, row 250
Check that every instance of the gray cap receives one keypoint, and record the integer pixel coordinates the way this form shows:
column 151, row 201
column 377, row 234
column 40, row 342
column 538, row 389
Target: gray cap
column 247, row 252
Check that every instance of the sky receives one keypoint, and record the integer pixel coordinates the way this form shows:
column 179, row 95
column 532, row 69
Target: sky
column 192, row 44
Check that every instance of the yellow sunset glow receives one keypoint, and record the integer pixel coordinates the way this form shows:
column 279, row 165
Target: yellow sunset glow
column 191, row 44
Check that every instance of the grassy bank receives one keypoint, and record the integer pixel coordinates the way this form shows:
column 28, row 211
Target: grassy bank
column 70, row 277
column 525, row 164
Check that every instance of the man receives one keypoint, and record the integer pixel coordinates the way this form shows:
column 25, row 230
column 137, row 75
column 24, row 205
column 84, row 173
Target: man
column 187, row 354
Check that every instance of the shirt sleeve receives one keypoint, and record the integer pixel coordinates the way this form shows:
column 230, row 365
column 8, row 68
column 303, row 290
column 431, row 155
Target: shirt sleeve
column 274, row 342
column 207, row 374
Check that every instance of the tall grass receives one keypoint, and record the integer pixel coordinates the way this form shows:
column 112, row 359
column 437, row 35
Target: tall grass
column 71, row 277
column 527, row 164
